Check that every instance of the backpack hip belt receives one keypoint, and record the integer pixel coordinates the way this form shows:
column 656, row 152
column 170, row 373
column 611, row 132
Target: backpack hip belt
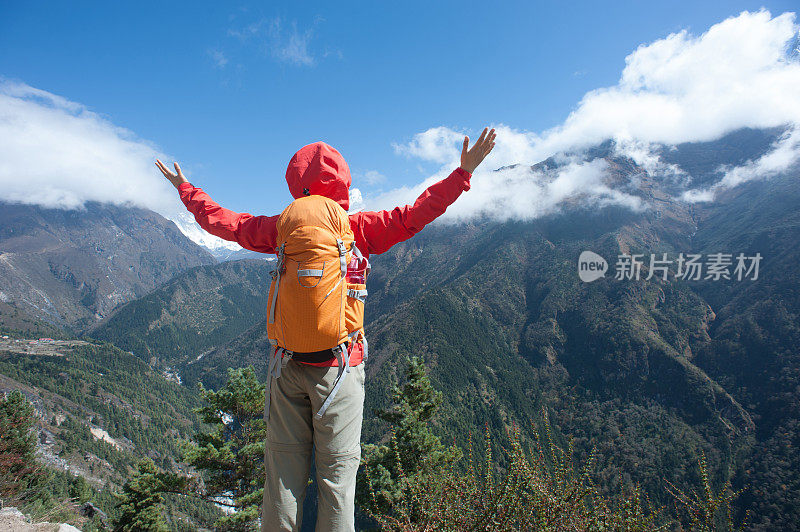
column 280, row 357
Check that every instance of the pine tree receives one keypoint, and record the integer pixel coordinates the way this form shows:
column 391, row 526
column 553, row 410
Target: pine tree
column 141, row 503
column 413, row 450
column 17, row 443
column 231, row 456
column 80, row 490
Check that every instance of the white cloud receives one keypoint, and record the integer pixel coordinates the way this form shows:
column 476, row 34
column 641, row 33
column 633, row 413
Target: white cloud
column 645, row 155
column 742, row 72
column 373, row 177
column 784, row 153
column 356, row 201
column 219, row 58
column 283, row 42
column 290, row 45
column 519, row 193
column 684, row 88
column 57, row 153
column 435, row 144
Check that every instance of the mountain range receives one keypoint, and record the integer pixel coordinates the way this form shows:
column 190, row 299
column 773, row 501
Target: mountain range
column 70, row 268
column 650, row 373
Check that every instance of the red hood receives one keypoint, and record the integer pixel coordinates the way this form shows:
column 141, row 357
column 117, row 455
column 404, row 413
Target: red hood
column 319, row 169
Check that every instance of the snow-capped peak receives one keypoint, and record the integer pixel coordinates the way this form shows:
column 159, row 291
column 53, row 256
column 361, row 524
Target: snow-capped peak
column 189, row 227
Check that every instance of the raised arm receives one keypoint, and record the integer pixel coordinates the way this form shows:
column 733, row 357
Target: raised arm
column 383, row 229
column 256, row 233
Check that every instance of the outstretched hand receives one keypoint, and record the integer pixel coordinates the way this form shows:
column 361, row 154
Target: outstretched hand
column 175, row 178
column 470, row 159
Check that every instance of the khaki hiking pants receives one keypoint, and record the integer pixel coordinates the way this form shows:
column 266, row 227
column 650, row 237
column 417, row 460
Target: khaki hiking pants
column 292, row 430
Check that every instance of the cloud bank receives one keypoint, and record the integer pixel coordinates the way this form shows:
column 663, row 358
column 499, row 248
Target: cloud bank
column 742, row 72
column 57, row 153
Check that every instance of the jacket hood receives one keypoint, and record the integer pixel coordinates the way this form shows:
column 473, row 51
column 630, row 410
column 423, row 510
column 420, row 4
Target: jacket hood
column 319, row 169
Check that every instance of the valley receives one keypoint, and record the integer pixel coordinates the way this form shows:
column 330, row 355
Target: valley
column 648, row 373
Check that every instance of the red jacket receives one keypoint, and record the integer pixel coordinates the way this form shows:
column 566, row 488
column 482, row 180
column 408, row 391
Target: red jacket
column 320, row 169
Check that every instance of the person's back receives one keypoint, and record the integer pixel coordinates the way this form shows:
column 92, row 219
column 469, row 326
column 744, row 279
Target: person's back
column 310, row 400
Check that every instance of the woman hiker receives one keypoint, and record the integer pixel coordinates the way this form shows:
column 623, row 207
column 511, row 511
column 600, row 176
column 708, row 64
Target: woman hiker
column 312, row 404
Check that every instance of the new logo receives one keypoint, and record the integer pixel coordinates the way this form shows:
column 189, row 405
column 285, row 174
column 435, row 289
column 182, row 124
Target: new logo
column 591, row 266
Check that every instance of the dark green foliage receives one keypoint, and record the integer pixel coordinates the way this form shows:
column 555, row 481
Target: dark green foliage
column 413, row 451
column 102, row 386
column 248, row 349
column 80, row 490
column 196, row 311
column 17, row 443
column 141, row 504
column 512, row 328
column 231, row 455
column 112, row 390
column 541, row 487
column 40, row 492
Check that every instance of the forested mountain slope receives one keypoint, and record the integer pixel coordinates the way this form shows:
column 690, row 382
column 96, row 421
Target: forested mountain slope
column 100, row 410
column 196, row 311
column 649, row 372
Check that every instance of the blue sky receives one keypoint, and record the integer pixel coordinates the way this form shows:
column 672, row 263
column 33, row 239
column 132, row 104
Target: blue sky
column 233, row 90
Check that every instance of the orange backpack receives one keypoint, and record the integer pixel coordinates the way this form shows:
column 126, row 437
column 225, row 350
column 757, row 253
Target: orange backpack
column 309, row 308
column 308, row 293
